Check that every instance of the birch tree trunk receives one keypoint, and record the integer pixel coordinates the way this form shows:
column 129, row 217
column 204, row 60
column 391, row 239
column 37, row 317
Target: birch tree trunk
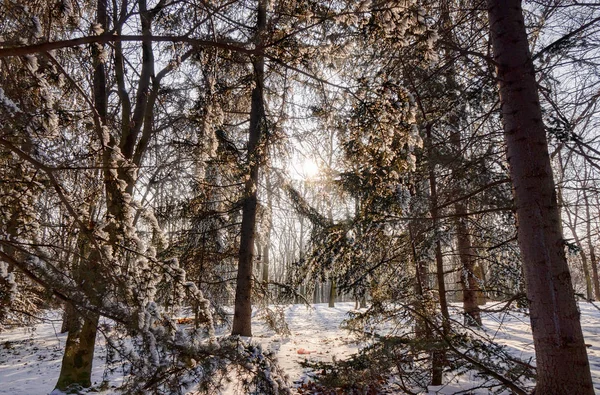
column 562, row 363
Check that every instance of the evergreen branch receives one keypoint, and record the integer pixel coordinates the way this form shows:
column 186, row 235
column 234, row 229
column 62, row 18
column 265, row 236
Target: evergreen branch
column 555, row 45
column 305, row 209
column 111, row 37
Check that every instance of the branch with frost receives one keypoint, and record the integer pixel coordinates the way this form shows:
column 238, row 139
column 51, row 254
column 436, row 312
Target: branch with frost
column 23, row 50
column 7, row 103
column 164, row 355
column 49, row 171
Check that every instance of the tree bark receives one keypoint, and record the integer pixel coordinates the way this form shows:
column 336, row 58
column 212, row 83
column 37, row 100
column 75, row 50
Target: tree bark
column 68, row 318
column 243, row 293
column 593, row 262
column 438, row 357
column 589, row 294
column 421, row 283
column 572, row 219
column 76, row 367
column 594, row 270
column 267, row 245
column 439, row 260
column 572, row 225
column 332, row 293
column 77, row 360
column 468, row 280
column 333, row 286
column 562, row 363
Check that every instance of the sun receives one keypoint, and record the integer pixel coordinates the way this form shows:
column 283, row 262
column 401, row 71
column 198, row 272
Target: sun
column 303, row 167
column 310, row 169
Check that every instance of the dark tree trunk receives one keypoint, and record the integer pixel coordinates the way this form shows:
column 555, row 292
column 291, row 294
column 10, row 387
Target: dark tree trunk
column 439, row 260
column 572, row 222
column 468, row 280
column 421, row 284
column 424, row 305
column 332, row 293
column 594, row 270
column 243, row 292
column 438, row 357
column 76, row 367
column 593, row 262
column 265, row 264
column 69, row 318
column 589, row 294
column 333, row 286
column 267, row 245
column 562, row 363
column 584, row 261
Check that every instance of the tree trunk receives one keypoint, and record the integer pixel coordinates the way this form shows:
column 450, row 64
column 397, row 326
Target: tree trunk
column 468, row 280
column 584, row 262
column 267, row 244
column 333, row 286
column 266, row 257
column 69, row 318
column 594, row 270
column 562, row 363
column 572, row 219
column 76, row 368
column 421, row 284
column 439, row 260
column 593, row 262
column 265, row 265
column 481, row 284
column 438, row 357
column 243, row 292
column 332, row 293
column 589, row 294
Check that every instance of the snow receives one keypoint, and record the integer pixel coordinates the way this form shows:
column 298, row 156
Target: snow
column 313, row 330
column 30, row 357
column 10, row 105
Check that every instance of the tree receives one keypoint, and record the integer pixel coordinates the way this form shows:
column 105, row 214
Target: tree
column 93, row 158
column 243, row 293
column 562, row 363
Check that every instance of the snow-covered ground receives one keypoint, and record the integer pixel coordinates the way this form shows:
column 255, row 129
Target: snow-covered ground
column 30, row 357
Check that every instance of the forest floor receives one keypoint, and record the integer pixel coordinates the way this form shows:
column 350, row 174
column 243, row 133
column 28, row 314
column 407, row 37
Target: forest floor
column 30, row 357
